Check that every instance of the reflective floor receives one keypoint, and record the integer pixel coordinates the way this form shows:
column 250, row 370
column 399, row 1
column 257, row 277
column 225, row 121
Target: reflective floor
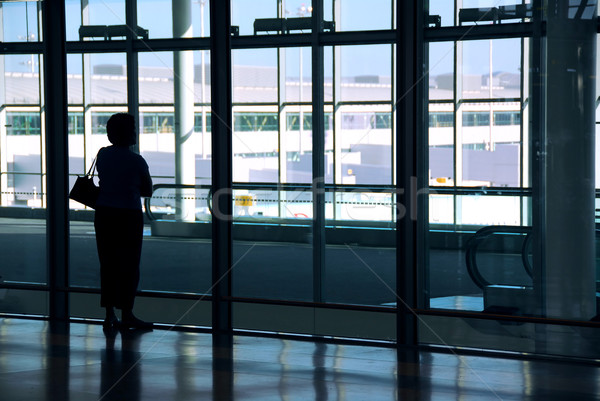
column 79, row 362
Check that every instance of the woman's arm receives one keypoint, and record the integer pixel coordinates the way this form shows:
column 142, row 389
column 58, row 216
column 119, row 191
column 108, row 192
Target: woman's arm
column 146, row 187
column 146, row 182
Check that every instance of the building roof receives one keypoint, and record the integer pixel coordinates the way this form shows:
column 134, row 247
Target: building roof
column 251, row 84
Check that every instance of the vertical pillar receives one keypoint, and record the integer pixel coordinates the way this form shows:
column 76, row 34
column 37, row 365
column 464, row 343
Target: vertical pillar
column 57, row 168
column 4, row 197
column 410, row 151
column 282, row 130
column 565, row 160
column 133, row 103
column 318, row 159
column 337, row 96
column 221, row 122
column 205, row 137
column 458, row 119
column 183, row 82
column 338, row 135
column 86, row 69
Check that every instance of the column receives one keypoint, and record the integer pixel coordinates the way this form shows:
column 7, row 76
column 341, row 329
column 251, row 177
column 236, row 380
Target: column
column 57, row 167
column 221, row 163
column 565, row 277
column 183, row 83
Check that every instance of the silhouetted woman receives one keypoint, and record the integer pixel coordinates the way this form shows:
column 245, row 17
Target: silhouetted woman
column 123, row 179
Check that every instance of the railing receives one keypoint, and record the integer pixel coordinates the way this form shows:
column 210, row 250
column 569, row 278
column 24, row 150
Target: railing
column 481, row 235
column 281, row 203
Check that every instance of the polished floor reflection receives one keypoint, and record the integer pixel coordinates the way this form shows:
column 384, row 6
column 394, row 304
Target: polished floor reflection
column 40, row 361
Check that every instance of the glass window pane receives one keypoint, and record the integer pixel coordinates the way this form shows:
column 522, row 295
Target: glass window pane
column 495, row 61
column 92, row 12
column 173, row 101
column 444, row 9
column 441, row 144
column 157, row 17
column 441, row 71
column 256, row 128
column 21, row 78
column 360, row 249
column 491, row 153
column 479, row 12
column 22, row 183
column 76, row 118
column 72, row 19
column 19, row 21
column 364, row 145
column 156, row 77
column 255, row 76
column 498, row 257
column 106, row 12
column 361, row 78
column 272, row 143
column 76, row 141
column 182, row 213
column 157, row 81
column 354, row 15
column 244, row 13
column 75, row 79
column 298, row 74
column 255, row 144
column 297, row 141
column 441, row 209
column 474, row 210
column 288, row 274
column 108, row 73
column 296, row 14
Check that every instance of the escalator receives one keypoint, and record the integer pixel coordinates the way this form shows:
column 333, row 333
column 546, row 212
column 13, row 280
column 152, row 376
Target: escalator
column 503, row 298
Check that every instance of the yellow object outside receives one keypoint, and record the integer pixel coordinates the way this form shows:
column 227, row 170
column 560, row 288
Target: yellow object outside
column 244, row 200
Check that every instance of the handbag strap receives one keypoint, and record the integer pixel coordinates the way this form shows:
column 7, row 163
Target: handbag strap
column 92, row 169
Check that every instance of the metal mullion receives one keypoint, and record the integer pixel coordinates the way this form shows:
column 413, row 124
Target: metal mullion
column 3, row 133
column 537, row 96
column 462, row 101
column 318, row 159
column 292, row 104
column 456, row 105
column 521, row 131
column 408, row 233
column 281, row 125
column 304, row 40
column 21, row 47
column 132, row 67
column 365, row 102
column 221, row 161
column 270, row 104
column 271, row 41
column 358, row 38
column 478, row 32
column 56, row 124
column 97, row 46
column 86, row 71
column 173, row 44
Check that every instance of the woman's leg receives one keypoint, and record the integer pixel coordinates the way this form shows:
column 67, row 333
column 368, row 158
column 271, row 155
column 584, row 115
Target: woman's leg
column 104, row 225
column 131, row 255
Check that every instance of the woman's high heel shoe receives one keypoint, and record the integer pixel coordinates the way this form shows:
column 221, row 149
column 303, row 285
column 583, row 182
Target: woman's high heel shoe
column 110, row 323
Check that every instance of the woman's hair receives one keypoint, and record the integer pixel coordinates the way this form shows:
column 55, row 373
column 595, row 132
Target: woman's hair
column 120, row 128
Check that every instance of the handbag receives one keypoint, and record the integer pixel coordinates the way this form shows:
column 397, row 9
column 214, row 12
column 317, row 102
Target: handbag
column 84, row 190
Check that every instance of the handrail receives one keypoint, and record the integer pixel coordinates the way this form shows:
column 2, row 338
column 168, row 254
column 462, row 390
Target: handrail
column 266, row 186
column 147, row 200
column 486, row 232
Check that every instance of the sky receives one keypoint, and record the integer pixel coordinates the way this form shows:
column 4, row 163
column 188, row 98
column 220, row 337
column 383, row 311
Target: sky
column 19, row 21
